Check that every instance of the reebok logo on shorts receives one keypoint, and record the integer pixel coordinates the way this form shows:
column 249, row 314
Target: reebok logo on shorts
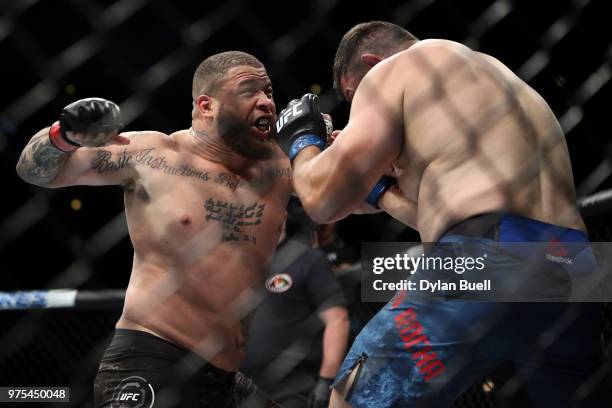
column 556, row 252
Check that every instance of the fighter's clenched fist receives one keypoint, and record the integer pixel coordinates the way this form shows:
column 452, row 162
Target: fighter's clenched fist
column 301, row 124
column 89, row 122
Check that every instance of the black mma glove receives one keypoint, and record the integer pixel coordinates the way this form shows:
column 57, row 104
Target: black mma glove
column 301, row 124
column 319, row 396
column 378, row 190
column 97, row 120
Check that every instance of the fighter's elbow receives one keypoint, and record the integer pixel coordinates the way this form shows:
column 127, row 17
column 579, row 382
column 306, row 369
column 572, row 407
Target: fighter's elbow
column 23, row 173
column 29, row 176
column 337, row 315
column 20, row 172
column 342, row 316
column 319, row 197
column 321, row 209
column 315, row 209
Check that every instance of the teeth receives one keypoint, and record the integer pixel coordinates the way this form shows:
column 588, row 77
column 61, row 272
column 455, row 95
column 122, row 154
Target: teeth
column 263, row 122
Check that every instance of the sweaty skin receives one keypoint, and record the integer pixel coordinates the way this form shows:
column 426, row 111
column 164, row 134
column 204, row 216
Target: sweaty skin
column 462, row 134
column 203, row 220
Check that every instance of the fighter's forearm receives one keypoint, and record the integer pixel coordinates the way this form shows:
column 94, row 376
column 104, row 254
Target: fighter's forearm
column 40, row 161
column 366, row 209
column 394, row 203
column 304, row 185
column 335, row 340
column 326, row 192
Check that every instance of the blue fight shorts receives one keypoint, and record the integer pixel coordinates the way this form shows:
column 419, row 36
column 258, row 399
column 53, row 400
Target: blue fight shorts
column 425, row 353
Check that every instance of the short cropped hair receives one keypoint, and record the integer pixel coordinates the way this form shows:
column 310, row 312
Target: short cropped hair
column 213, row 70
column 378, row 37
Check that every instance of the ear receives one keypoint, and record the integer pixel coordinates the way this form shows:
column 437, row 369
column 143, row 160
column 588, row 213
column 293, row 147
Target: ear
column 204, row 104
column 371, row 59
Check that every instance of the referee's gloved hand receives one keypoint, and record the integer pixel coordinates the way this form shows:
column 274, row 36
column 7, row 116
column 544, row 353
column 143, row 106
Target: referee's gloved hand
column 319, row 396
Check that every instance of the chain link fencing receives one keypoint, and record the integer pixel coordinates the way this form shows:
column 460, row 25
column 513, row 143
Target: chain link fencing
column 142, row 53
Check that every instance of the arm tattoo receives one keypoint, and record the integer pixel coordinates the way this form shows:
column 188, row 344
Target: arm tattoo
column 40, row 161
column 103, row 163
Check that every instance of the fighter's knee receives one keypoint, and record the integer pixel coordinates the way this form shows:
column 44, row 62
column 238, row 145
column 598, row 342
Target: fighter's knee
column 343, row 389
column 337, row 400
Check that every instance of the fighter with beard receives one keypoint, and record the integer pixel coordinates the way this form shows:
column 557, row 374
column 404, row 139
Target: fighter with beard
column 204, row 208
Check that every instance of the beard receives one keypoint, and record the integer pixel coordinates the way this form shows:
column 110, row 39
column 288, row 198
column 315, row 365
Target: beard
column 236, row 133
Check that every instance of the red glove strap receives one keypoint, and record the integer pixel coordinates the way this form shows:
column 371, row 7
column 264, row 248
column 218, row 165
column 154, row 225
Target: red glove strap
column 59, row 141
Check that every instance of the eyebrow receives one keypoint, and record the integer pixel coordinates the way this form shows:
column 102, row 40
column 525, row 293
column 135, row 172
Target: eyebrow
column 257, row 82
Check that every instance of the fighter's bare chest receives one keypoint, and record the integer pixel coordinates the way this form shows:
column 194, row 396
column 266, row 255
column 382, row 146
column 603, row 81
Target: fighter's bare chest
column 228, row 216
column 184, row 200
column 161, row 173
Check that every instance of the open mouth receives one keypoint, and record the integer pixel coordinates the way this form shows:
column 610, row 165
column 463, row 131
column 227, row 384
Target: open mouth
column 263, row 125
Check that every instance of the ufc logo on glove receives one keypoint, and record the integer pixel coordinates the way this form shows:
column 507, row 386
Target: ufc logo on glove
column 287, row 113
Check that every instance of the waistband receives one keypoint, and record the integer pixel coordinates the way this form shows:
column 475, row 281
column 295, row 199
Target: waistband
column 136, row 343
column 507, row 227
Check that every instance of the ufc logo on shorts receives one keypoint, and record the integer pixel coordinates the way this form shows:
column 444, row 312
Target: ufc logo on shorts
column 130, row 396
column 288, row 113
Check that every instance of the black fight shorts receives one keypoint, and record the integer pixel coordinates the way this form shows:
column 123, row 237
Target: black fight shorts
column 139, row 370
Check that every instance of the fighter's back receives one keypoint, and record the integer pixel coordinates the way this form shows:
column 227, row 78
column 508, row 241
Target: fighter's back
column 478, row 139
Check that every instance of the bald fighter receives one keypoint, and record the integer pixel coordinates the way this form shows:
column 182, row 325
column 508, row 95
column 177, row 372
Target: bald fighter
column 478, row 156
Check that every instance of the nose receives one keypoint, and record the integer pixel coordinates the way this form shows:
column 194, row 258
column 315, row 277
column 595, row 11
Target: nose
column 266, row 103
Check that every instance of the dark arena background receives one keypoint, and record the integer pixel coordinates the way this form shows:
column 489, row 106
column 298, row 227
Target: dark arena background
column 142, row 54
